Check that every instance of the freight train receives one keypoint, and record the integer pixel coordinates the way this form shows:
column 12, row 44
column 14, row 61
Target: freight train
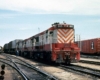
column 90, row 46
column 55, row 44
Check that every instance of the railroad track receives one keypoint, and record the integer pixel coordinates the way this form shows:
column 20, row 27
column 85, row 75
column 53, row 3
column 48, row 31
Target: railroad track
column 90, row 62
column 14, row 68
column 72, row 68
column 89, row 71
column 89, row 56
column 28, row 71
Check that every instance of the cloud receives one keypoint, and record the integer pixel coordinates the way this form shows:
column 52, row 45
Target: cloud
column 53, row 6
column 16, row 27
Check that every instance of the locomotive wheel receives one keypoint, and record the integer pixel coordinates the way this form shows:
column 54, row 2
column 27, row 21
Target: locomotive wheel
column 35, row 56
column 25, row 54
column 49, row 57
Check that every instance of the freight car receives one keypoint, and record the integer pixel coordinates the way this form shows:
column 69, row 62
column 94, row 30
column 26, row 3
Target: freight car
column 55, row 44
column 90, row 46
column 5, row 48
column 11, row 46
column 1, row 50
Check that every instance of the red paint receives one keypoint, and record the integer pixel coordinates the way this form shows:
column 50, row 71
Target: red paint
column 90, row 46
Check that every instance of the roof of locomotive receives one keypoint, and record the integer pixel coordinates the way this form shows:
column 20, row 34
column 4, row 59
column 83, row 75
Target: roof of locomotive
column 54, row 26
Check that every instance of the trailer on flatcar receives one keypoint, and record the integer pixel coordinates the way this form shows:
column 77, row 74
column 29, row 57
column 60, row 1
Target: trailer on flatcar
column 11, row 46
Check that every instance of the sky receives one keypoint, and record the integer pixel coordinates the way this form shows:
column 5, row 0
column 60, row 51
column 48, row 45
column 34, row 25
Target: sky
column 21, row 19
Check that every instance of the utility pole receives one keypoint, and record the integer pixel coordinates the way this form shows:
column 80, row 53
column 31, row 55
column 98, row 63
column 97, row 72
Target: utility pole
column 78, row 39
column 80, row 42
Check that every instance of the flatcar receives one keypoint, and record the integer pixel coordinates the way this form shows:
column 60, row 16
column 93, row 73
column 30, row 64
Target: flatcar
column 90, row 46
column 55, row 44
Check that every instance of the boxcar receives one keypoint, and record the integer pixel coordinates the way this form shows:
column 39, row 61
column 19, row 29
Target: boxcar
column 90, row 46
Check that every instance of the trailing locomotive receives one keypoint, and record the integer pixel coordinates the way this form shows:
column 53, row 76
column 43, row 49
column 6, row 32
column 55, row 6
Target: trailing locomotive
column 54, row 44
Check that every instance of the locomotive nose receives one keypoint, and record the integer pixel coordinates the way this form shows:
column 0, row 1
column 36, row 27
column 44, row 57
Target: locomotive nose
column 67, row 53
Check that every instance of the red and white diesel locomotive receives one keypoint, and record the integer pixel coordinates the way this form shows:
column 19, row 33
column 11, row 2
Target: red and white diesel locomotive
column 54, row 44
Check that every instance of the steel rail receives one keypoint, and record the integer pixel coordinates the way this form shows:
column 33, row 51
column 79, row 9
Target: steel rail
column 90, row 62
column 26, row 78
column 51, row 77
column 85, row 70
column 15, row 69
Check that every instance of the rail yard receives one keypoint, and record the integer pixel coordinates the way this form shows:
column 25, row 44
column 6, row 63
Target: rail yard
column 52, row 55
column 49, row 39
